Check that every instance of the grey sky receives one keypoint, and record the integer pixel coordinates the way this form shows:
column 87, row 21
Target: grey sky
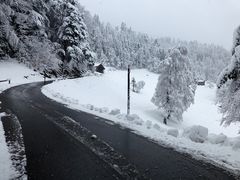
column 210, row 21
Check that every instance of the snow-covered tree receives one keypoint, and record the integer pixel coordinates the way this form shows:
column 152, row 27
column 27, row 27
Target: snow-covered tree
column 229, row 86
column 73, row 36
column 63, row 21
column 236, row 39
column 176, row 86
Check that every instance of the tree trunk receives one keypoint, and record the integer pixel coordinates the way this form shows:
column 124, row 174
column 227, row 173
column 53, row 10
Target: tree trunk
column 165, row 121
column 166, row 118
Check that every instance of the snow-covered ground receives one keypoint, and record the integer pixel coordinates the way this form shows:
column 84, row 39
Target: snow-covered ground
column 205, row 113
column 104, row 95
column 15, row 72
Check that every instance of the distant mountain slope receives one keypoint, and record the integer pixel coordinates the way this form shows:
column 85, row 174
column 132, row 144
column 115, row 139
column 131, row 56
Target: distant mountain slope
column 117, row 46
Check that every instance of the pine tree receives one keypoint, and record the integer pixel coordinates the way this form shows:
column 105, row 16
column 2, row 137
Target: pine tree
column 176, row 87
column 73, row 37
column 229, row 86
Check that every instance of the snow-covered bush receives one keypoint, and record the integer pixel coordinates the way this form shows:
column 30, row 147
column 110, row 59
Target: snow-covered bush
column 176, row 86
column 139, row 86
column 173, row 132
column 197, row 134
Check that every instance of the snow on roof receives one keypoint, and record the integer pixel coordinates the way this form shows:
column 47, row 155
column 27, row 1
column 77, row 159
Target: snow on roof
column 97, row 64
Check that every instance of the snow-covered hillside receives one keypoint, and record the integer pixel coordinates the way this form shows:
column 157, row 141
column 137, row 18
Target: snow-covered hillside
column 104, row 94
column 17, row 74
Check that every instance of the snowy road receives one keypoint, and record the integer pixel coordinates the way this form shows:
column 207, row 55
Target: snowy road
column 54, row 153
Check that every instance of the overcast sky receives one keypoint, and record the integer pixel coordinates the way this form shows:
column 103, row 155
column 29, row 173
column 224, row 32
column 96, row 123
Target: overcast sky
column 208, row 21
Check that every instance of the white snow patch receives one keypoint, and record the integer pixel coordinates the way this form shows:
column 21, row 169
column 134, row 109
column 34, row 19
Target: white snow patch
column 17, row 74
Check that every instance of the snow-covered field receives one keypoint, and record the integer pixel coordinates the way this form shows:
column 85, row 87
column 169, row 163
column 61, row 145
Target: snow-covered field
column 15, row 72
column 104, row 95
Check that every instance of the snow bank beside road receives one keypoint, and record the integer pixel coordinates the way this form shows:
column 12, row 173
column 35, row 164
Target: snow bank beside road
column 106, row 95
column 6, row 169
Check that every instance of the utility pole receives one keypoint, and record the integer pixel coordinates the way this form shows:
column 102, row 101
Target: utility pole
column 128, row 91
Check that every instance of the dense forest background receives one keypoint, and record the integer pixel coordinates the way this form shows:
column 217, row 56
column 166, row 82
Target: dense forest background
column 61, row 36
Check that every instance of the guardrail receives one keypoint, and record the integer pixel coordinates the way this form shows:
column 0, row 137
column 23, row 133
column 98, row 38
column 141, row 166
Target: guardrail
column 6, row 80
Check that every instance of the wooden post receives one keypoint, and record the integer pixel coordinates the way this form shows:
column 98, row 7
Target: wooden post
column 128, row 91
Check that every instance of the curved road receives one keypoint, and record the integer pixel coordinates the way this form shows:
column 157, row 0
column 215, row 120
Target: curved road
column 53, row 154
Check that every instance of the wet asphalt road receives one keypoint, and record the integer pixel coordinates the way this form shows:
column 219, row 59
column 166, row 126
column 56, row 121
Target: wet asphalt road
column 51, row 154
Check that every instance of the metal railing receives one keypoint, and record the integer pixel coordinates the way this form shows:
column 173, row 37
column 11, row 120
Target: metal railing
column 6, row 80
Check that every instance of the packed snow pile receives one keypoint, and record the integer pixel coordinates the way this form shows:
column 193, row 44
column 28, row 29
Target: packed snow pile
column 173, row 132
column 217, row 139
column 199, row 134
column 16, row 74
column 196, row 133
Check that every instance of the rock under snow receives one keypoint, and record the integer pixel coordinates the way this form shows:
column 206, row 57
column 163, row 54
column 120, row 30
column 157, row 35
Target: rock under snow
column 196, row 133
column 217, row 139
column 115, row 112
column 93, row 136
column 157, row 127
column 104, row 110
column 149, row 124
column 173, row 132
column 236, row 144
column 139, row 122
column 133, row 117
column 122, row 116
column 90, row 107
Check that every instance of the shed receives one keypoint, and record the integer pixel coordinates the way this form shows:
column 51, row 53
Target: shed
column 99, row 68
column 201, row 82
